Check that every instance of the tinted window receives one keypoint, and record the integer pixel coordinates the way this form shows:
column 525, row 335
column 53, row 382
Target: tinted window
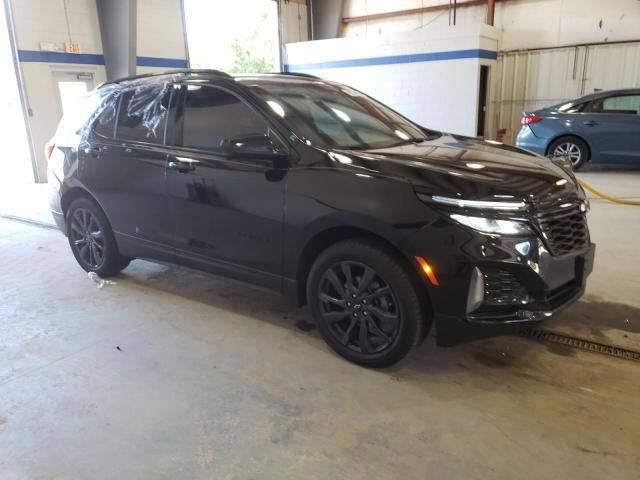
column 336, row 116
column 105, row 124
column 571, row 108
column 143, row 112
column 211, row 116
column 623, row 104
column 627, row 104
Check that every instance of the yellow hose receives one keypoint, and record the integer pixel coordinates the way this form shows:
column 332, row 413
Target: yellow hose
column 607, row 197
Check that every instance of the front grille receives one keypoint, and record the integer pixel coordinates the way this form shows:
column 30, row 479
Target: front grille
column 563, row 226
column 503, row 288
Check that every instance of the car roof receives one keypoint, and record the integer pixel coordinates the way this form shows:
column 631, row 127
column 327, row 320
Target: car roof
column 204, row 74
column 607, row 93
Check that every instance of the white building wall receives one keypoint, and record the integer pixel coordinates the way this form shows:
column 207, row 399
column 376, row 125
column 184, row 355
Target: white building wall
column 161, row 37
column 44, row 20
column 440, row 94
column 523, row 23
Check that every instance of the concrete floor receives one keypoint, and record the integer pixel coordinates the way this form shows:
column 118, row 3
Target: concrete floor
column 171, row 374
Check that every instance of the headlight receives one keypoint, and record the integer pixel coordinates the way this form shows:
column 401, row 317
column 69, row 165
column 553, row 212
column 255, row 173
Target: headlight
column 493, row 225
column 482, row 204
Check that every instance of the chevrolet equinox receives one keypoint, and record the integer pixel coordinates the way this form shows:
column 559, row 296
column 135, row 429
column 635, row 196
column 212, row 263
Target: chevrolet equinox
column 313, row 189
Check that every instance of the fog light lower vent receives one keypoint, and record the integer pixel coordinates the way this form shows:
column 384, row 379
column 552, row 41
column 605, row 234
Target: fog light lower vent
column 503, row 288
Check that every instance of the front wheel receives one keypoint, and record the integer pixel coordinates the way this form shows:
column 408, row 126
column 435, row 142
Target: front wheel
column 366, row 303
column 91, row 239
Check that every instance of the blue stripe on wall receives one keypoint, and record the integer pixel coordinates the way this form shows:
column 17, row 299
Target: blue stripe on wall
column 393, row 59
column 94, row 59
column 60, row 57
column 161, row 62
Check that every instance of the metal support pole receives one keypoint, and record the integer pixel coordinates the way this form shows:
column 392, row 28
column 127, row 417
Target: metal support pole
column 117, row 19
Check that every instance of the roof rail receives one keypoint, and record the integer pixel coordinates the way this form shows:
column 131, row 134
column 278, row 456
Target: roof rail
column 185, row 71
column 210, row 71
column 299, row 74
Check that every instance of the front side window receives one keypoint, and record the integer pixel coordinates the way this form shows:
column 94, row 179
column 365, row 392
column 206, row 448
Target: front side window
column 335, row 116
column 212, row 117
column 143, row 112
column 621, row 104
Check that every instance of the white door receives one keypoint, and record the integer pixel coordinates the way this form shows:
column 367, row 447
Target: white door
column 71, row 85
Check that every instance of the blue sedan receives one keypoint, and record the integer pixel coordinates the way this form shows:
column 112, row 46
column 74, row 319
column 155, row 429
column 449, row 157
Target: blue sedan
column 603, row 128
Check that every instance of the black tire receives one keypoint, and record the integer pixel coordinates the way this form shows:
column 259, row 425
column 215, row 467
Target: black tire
column 575, row 148
column 394, row 321
column 91, row 239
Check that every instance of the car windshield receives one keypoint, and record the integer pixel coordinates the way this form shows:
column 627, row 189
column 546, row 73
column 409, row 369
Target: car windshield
column 335, row 116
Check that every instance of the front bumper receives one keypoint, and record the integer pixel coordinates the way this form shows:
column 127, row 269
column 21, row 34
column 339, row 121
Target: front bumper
column 546, row 304
column 532, row 285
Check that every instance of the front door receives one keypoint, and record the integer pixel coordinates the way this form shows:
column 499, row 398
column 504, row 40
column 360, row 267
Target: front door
column 612, row 127
column 226, row 210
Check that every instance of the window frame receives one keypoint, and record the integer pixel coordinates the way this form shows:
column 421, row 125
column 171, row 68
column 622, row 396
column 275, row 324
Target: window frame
column 178, row 124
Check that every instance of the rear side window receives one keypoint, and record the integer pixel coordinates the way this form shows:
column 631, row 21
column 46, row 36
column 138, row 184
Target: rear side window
column 105, row 124
column 572, row 108
column 211, row 116
column 621, row 104
column 74, row 123
column 142, row 113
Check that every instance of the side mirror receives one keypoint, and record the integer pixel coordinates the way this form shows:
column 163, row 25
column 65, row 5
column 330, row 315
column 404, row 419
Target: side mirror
column 252, row 146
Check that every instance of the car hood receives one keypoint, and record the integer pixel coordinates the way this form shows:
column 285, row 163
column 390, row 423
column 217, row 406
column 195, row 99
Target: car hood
column 464, row 167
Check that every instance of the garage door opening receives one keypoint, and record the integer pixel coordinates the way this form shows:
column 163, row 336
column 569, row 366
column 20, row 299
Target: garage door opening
column 17, row 166
column 236, row 37
column 482, row 100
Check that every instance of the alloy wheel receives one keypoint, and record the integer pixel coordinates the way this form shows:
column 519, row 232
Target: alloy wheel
column 569, row 150
column 87, row 238
column 359, row 307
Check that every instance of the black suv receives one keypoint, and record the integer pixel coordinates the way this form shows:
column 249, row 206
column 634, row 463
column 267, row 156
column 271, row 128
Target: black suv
column 315, row 190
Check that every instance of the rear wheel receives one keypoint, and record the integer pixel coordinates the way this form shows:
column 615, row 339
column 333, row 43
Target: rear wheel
column 573, row 148
column 91, row 239
column 366, row 304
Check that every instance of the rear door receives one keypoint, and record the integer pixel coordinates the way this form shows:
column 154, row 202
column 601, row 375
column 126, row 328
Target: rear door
column 124, row 169
column 611, row 125
column 226, row 210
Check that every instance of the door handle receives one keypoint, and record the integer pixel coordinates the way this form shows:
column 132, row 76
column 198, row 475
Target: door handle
column 183, row 164
column 590, row 123
column 95, row 152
